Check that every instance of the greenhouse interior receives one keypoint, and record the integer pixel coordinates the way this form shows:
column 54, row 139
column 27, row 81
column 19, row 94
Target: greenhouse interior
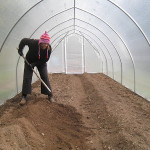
column 109, row 37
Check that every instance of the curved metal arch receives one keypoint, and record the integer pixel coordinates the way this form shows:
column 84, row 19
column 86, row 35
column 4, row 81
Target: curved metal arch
column 84, row 58
column 17, row 23
column 69, row 20
column 65, row 36
column 108, row 53
column 137, row 25
column 94, row 34
column 119, row 38
column 110, row 42
column 83, row 37
column 59, row 41
column 123, row 44
column 102, row 44
column 74, row 14
column 101, row 41
column 62, row 30
column 95, row 49
column 100, row 48
column 68, row 35
column 97, row 44
column 94, row 27
column 51, row 18
column 80, row 9
column 59, row 36
column 82, row 28
column 60, row 24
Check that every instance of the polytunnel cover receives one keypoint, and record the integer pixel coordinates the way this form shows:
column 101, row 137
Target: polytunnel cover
column 94, row 36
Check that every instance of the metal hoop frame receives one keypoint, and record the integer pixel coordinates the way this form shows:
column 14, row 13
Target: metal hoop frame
column 74, row 25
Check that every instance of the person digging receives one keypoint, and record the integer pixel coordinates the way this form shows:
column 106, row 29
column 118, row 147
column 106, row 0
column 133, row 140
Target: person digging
column 38, row 54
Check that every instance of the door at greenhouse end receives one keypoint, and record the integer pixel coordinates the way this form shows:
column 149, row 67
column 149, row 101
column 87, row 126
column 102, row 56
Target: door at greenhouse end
column 74, row 54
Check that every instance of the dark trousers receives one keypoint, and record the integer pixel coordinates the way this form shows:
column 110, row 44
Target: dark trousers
column 27, row 79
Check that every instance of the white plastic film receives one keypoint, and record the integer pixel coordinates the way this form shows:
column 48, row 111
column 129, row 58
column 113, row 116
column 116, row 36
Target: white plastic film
column 113, row 34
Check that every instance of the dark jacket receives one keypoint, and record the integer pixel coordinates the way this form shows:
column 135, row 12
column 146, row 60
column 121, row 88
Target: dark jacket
column 33, row 53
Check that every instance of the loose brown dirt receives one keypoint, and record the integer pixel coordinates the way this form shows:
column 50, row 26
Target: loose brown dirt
column 89, row 112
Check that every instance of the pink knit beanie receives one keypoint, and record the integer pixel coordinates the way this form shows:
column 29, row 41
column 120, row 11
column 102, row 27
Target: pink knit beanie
column 45, row 38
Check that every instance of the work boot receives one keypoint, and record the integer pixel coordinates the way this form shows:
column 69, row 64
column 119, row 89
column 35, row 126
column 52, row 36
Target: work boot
column 50, row 98
column 23, row 101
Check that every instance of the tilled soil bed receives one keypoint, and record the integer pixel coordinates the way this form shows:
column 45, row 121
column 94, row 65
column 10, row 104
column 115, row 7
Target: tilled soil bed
column 89, row 112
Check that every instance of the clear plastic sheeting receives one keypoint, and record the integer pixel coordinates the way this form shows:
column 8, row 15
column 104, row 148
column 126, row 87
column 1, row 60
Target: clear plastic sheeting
column 74, row 54
column 56, row 63
column 93, row 36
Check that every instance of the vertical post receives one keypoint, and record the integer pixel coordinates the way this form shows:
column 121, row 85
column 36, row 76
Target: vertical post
column 83, row 54
column 100, row 60
column 64, row 70
column 65, row 56
column 74, row 17
column 102, row 67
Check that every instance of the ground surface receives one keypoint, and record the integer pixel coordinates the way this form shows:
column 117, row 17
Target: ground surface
column 90, row 111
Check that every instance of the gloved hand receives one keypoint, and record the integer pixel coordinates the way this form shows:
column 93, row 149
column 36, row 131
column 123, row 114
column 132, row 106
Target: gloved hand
column 20, row 53
column 32, row 65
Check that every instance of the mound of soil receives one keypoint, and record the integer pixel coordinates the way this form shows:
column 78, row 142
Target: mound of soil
column 89, row 112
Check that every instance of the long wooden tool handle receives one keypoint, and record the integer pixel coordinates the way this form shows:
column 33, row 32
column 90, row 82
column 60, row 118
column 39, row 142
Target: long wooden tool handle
column 36, row 74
